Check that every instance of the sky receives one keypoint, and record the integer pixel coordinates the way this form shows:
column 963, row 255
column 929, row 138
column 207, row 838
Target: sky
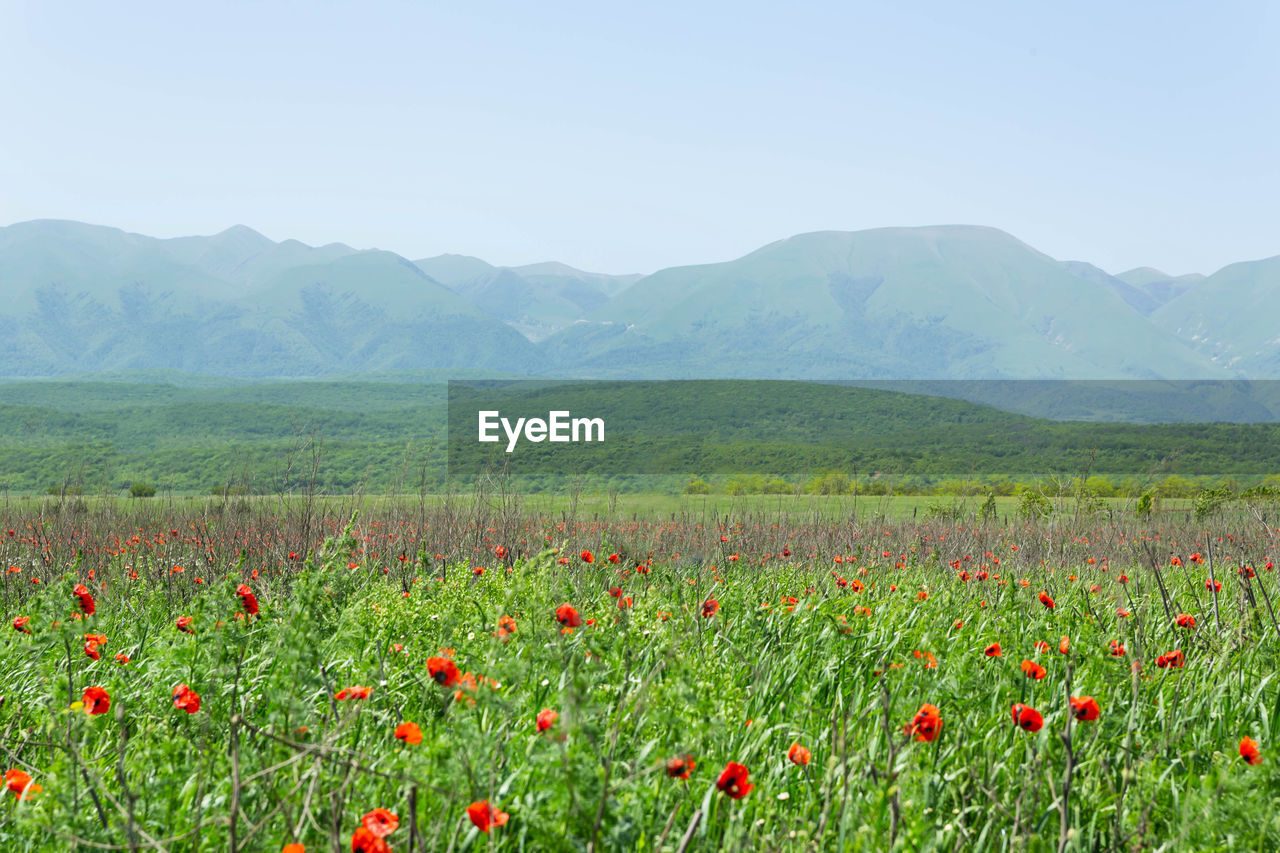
column 631, row 137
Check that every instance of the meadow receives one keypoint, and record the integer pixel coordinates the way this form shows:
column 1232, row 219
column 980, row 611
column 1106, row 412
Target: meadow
column 496, row 673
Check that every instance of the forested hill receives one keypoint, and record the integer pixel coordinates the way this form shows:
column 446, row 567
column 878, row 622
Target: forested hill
column 391, row 437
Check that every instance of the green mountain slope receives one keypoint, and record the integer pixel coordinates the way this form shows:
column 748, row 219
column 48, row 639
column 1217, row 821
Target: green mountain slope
column 536, row 300
column 956, row 302
column 1232, row 317
column 950, row 301
column 85, row 299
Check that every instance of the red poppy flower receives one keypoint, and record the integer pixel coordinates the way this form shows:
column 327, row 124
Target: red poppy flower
column 568, row 616
column 1186, row 620
column 485, row 816
column 733, row 781
column 186, row 699
column 364, row 841
column 993, row 651
column 444, row 672
column 122, row 658
column 409, row 733
column 1027, row 718
column 81, row 592
column 1042, row 647
column 1085, row 708
column 355, row 691
column 184, row 624
column 96, row 700
column 19, row 782
column 798, row 754
column 546, row 719
column 91, row 649
column 1213, row 585
column 380, row 822
column 1032, row 670
column 709, row 608
column 586, row 557
column 1173, row 660
column 1117, row 649
column 20, row 624
column 1046, row 600
column 680, row 767
column 926, row 725
column 247, row 599
column 1248, row 751
column 1064, row 645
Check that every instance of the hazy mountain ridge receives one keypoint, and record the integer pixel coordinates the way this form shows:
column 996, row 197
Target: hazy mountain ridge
column 83, row 299
column 893, row 303
column 536, row 299
column 944, row 302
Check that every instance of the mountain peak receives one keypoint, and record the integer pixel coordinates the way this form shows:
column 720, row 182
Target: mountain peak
column 244, row 234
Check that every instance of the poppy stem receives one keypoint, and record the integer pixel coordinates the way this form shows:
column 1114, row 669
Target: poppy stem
column 71, row 683
column 1213, row 588
column 413, row 818
column 1064, row 825
column 688, row 833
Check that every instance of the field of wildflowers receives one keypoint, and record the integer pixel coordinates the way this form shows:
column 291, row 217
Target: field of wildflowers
column 478, row 677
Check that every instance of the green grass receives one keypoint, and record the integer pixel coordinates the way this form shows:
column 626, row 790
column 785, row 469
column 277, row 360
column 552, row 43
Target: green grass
column 647, row 506
column 792, row 655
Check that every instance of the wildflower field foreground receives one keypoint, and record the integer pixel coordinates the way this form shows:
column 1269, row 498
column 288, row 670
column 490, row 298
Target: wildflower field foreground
column 478, row 678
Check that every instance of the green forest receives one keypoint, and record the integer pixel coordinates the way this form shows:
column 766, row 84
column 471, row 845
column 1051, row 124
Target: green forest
column 730, row 437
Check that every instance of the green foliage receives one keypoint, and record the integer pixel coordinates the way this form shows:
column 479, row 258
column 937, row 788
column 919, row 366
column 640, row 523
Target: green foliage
column 697, row 486
column 758, row 484
column 1174, row 486
column 1209, row 501
column 139, row 489
column 829, row 483
column 1032, row 505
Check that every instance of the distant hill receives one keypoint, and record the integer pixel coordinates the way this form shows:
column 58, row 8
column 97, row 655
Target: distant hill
column 84, row 299
column 100, row 436
column 951, row 301
column 536, row 300
column 1232, row 317
column 944, row 302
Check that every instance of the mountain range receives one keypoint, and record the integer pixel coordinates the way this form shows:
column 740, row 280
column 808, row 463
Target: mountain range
column 943, row 302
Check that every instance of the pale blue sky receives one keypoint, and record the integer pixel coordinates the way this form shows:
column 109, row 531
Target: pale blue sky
column 631, row 137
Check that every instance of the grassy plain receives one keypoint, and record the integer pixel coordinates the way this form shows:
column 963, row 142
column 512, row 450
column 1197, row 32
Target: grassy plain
column 726, row 631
